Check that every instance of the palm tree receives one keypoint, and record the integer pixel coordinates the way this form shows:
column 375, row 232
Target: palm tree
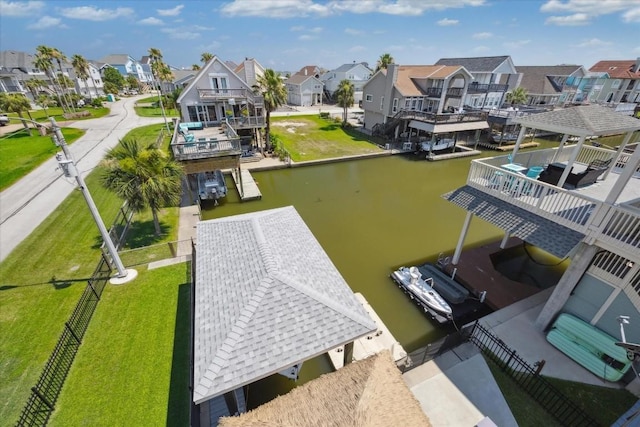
column 155, row 56
column 43, row 61
column 59, row 57
column 195, row 67
column 81, row 68
column 34, row 85
column 143, row 175
column 517, row 96
column 206, row 57
column 15, row 103
column 344, row 95
column 272, row 89
column 384, row 61
column 44, row 101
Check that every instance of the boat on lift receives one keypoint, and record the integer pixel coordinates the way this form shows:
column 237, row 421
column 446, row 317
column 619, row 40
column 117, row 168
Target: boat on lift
column 211, row 185
column 421, row 290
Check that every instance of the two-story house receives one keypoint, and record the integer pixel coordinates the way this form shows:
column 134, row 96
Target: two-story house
column 93, row 86
column 304, row 90
column 127, row 66
column 623, row 84
column 250, row 70
column 419, row 98
column 584, row 206
column 493, row 77
column 357, row 73
column 553, row 85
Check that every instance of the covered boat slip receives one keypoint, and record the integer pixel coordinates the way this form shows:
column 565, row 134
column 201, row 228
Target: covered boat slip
column 590, row 347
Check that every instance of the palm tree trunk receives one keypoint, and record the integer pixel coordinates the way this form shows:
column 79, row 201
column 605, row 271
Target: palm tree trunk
column 24, row 123
column 64, row 88
column 156, row 221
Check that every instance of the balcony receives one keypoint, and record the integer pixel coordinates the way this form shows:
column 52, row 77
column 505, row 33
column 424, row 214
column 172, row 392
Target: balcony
column 613, row 227
column 485, row 88
column 436, row 92
column 227, row 94
column 209, row 142
column 247, row 122
column 470, row 116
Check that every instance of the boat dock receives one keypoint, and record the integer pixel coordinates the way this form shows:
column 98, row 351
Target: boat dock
column 246, row 186
column 371, row 344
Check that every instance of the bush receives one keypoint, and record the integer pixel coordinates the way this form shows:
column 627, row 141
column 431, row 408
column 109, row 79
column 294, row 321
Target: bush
column 324, row 115
column 97, row 102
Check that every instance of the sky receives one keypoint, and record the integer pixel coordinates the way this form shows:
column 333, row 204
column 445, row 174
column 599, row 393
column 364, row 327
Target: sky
column 288, row 34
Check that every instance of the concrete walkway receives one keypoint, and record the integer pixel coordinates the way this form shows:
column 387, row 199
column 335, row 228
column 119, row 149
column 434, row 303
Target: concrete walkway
column 25, row 204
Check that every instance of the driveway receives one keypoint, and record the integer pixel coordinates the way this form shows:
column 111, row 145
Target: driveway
column 24, row 205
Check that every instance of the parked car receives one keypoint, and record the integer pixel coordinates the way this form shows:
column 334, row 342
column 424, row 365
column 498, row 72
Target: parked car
column 4, row 120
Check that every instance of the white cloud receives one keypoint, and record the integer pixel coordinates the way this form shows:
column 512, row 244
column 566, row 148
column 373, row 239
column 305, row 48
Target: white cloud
column 480, row 36
column 305, row 8
column 46, row 22
column 632, row 15
column 447, row 22
column 151, row 21
column 20, row 8
column 202, row 28
column 180, row 34
column 357, row 49
column 315, row 30
column 353, row 32
column 91, row 13
column 593, row 43
column 516, row 44
column 171, row 12
column 570, row 20
column 306, row 37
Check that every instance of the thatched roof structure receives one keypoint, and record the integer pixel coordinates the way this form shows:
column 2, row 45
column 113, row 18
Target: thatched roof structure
column 368, row 393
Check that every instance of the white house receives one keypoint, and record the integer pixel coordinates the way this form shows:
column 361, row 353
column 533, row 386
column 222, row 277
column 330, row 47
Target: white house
column 357, row 73
column 302, row 90
column 249, row 71
column 127, row 65
column 94, row 86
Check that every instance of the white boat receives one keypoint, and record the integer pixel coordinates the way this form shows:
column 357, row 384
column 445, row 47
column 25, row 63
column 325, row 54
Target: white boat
column 211, row 185
column 422, row 290
column 438, row 144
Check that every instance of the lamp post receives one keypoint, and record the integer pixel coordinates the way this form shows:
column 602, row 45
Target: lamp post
column 70, row 171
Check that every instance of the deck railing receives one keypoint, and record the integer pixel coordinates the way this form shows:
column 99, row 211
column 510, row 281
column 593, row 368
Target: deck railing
column 484, row 88
column 240, row 94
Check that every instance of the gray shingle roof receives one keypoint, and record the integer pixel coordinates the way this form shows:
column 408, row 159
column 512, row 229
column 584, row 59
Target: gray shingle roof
column 267, row 296
column 548, row 235
column 583, row 120
column 536, row 79
column 116, row 59
column 484, row 64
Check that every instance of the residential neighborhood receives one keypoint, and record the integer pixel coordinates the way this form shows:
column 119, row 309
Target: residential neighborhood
column 440, row 238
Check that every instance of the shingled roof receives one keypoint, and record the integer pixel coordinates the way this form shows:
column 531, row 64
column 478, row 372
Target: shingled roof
column 618, row 69
column 407, row 74
column 267, row 297
column 483, row 64
column 535, row 79
column 583, row 120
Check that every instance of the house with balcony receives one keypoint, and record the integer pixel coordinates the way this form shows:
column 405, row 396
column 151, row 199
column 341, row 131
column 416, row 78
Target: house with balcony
column 127, row 66
column 493, row 77
column 581, row 203
column 93, row 86
column 419, row 101
column 304, row 91
column 623, row 84
column 357, row 73
column 250, row 70
column 553, row 85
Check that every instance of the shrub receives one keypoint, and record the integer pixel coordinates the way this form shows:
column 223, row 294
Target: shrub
column 97, row 102
column 324, row 115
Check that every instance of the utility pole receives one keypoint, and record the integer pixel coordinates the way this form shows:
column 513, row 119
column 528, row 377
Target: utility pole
column 69, row 168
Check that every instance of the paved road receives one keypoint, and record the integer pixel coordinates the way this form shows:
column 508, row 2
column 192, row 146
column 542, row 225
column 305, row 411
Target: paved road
column 24, row 205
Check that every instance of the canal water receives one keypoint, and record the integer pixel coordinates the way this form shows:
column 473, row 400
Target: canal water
column 370, row 216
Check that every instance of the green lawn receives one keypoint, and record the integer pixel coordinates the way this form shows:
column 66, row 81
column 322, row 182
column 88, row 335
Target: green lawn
column 42, row 279
column 603, row 404
column 313, row 138
column 151, row 111
column 21, row 153
column 133, row 366
column 57, row 113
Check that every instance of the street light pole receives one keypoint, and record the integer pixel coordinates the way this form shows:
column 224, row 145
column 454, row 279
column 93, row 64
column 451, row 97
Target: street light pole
column 68, row 166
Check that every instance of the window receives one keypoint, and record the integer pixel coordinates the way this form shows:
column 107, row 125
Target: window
column 381, row 102
column 615, row 84
column 395, row 105
column 368, row 97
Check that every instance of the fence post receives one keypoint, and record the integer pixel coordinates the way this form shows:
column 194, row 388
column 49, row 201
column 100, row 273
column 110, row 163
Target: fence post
column 172, row 249
column 72, row 333
column 511, row 354
column 41, row 397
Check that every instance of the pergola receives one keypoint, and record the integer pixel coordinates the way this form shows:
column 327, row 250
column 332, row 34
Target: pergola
column 267, row 297
column 582, row 122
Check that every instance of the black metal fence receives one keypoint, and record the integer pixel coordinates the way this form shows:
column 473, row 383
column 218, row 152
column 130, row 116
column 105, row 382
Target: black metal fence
column 526, row 376
column 44, row 394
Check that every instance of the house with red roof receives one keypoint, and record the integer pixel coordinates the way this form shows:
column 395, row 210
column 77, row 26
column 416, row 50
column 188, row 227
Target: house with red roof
column 623, row 84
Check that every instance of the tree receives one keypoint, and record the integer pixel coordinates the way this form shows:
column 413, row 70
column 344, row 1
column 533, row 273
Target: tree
column 132, row 82
column 272, row 89
column 206, row 57
column 44, row 101
column 517, row 96
column 81, row 68
column 344, row 95
column 384, row 61
column 34, row 86
column 59, row 57
column 143, row 175
column 115, row 80
column 43, row 61
column 159, row 70
column 195, row 67
column 15, row 103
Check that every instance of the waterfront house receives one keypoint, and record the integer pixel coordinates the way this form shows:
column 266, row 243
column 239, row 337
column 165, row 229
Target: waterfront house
column 311, row 70
column 584, row 206
column 493, row 77
column 266, row 298
column 249, row 71
column 303, row 90
column 356, row 73
column 553, row 85
column 623, row 84
column 409, row 99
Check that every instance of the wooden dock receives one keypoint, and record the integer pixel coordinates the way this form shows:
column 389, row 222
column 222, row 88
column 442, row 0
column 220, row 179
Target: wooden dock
column 246, row 186
column 372, row 344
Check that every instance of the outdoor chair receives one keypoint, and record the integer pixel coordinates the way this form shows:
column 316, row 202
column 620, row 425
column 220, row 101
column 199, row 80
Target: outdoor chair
column 582, row 179
column 552, row 173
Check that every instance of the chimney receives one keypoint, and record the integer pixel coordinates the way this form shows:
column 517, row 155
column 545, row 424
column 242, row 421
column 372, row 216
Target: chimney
column 305, row 71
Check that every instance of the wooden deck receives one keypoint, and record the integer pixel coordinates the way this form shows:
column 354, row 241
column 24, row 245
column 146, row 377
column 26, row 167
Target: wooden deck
column 476, row 272
column 246, row 186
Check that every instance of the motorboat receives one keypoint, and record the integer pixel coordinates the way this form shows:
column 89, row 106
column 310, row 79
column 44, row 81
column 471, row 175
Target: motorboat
column 211, row 185
column 421, row 289
column 437, row 144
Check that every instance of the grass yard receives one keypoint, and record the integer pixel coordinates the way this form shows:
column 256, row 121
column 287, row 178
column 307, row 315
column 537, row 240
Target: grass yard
column 58, row 114
column 42, row 279
column 313, row 138
column 21, row 153
column 144, row 108
column 603, row 404
column 133, row 366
